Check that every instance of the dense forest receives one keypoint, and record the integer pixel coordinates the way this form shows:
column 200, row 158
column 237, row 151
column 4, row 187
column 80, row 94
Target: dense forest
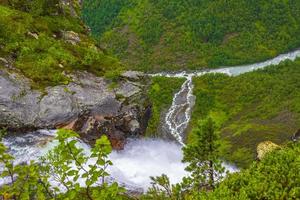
column 251, row 108
column 153, row 35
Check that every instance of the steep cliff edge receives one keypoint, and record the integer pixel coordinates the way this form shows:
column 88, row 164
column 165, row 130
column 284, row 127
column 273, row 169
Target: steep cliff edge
column 87, row 104
column 53, row 75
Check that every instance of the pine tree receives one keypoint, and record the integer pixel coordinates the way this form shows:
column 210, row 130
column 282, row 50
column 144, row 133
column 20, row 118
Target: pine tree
column 203, row 156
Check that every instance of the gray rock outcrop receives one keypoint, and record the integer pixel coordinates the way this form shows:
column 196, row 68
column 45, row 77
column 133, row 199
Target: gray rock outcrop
column 87, row 105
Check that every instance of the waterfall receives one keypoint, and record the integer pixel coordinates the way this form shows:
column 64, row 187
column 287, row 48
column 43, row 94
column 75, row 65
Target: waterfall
column 132, row 167
column 179, row 114
column 144, row 157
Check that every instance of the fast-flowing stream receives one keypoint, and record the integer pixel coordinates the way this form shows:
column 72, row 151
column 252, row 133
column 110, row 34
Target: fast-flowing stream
column 145, row 157
column 179, row 114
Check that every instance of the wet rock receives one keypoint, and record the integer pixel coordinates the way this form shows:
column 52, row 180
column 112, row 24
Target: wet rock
column 71, row 37
column 86, row 105
column 133, row 125
column 264, row 148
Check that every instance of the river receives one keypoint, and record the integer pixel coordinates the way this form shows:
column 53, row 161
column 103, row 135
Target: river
column 145, row 157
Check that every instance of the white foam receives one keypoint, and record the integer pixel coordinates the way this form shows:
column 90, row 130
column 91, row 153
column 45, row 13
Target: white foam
column 147, row 157
column 132, row 167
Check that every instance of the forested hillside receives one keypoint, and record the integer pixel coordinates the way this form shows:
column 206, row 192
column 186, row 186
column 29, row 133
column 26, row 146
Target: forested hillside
column 251, row 108
column 155, row 35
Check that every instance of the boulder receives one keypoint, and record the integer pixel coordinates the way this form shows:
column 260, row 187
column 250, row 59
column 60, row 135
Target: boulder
column 86, row 105
column 71, row 37
column 264, row 148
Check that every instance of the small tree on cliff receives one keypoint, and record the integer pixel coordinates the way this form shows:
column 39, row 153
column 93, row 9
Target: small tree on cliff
column 68, row 163
column 203, row 155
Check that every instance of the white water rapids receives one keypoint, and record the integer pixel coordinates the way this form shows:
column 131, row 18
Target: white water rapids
column 131, row 168
column 145, row 157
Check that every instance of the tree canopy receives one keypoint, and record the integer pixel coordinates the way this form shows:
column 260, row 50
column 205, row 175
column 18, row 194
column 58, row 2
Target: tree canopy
column 155, row 35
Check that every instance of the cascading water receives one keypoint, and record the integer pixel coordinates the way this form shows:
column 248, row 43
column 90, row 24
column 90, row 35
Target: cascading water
column 179, row 114
column 141, row 158
column 131, row 168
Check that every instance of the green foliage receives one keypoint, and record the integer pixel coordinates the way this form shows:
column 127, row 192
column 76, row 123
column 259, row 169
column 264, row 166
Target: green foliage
column 99, row 15
column 161, row 95
column 162, row 189
column 36, row 7
column 204, row 167
column 68, row 163
column 275, row 177
column 153, row 35
column 203, row 156
column 250, row 108
column 25, row 181
column 37, row 46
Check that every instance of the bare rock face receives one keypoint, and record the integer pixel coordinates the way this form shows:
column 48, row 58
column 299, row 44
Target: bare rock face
column 86, row 105
column 264, row 148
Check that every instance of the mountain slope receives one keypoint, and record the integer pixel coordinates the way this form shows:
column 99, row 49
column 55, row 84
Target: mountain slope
column 251, row 108
column 43, row 41
column 155, row 35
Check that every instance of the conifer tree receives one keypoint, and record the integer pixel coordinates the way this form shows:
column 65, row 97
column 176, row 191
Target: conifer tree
column 203, row 156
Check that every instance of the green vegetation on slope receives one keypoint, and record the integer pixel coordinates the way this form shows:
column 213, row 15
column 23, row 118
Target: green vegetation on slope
column 275, row 177
column 153, row 35
column 251, row 108
column 33, row 39
column 161, row 95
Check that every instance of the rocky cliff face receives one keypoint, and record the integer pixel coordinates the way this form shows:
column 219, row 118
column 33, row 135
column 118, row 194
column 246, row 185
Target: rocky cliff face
column 87, row 105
